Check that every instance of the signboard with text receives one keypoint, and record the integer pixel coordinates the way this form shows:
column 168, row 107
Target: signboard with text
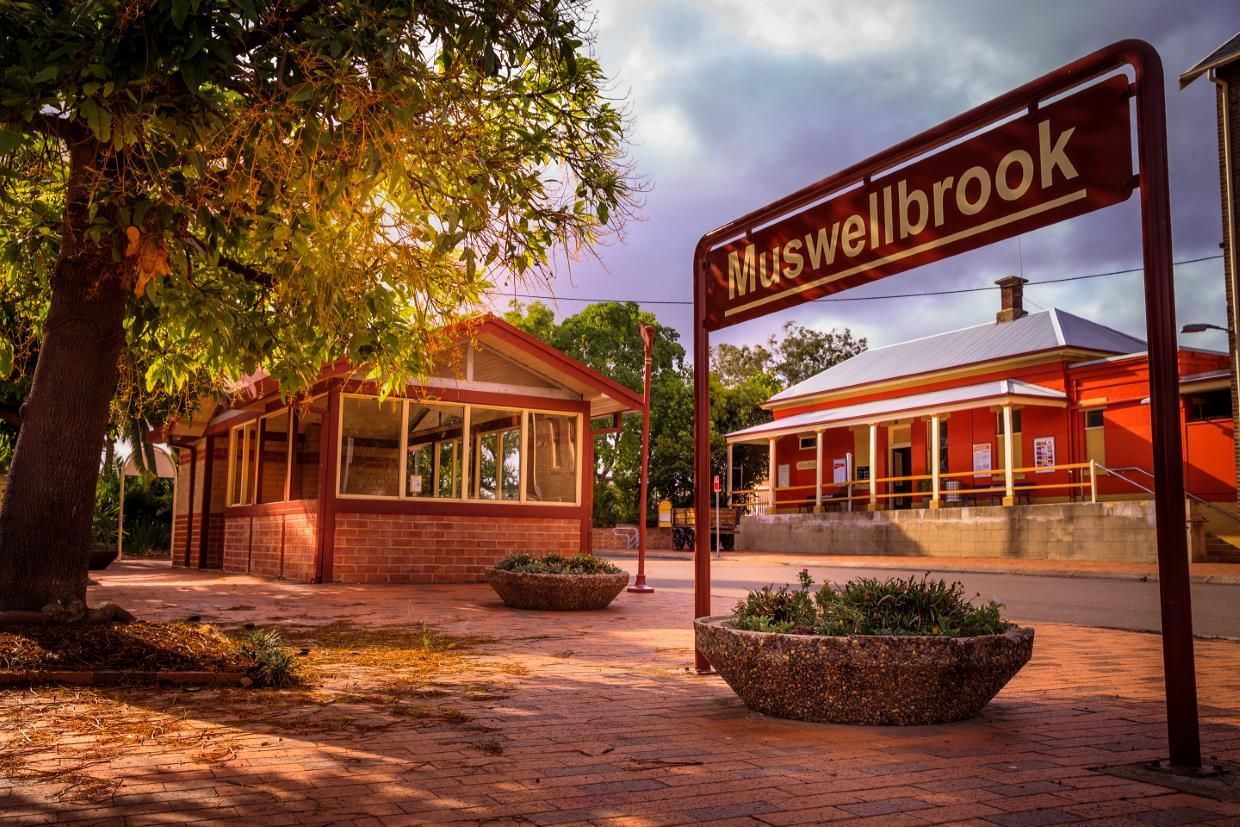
column 1062, row 160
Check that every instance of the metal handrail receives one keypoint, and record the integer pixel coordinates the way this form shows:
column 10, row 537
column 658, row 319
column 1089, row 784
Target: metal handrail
column 1116, row 472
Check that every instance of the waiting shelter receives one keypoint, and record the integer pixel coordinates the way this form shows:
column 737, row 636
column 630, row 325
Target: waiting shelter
column 490, row 454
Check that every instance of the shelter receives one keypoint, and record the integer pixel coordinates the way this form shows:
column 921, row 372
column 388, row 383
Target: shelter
column 491, row 454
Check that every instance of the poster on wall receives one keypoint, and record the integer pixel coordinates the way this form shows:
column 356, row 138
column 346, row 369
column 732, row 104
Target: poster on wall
column 1044, row 454
column 839, row 470
column 981, row 459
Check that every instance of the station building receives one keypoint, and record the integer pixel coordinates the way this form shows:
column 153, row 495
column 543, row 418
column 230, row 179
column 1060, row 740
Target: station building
column 491, row 454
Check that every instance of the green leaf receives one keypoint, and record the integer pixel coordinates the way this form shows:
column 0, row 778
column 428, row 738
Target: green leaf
column 6, row 357
column 98, row 119
column 9, row 140
column 180, row 10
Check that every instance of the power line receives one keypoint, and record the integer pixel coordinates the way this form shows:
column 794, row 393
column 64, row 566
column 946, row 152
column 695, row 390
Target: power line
column 871, row 298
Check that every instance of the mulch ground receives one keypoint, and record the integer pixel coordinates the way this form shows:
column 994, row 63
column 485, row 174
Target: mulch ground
column 142, row 646
column 435, row 704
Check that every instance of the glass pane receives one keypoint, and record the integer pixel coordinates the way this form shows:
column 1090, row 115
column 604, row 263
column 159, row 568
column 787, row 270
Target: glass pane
column 431, row 468
column 553, row 458
column 237, row 454
column 306, row 452
column 370, row 447
column 275, row 458
column 251, row 467
column 496, row 470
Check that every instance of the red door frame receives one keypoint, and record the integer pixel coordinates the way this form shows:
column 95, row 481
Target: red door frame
column 1151, row 130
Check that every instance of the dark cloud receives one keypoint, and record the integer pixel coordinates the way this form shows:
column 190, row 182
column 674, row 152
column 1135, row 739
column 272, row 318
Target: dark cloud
column 734, row 109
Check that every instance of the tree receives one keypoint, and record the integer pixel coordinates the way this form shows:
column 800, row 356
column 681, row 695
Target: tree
column 215, row 185
column 798, row 354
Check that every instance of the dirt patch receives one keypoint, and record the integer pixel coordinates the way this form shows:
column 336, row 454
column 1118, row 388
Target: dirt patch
column 148, row 647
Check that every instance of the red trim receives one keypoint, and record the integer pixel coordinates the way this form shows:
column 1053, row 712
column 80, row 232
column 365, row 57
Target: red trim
column 587, row 491
column 330, row 439
column 206, row 502
column 189, row 522
column 456, row 508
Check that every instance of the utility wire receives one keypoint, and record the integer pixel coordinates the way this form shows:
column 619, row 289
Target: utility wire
column 866, row 298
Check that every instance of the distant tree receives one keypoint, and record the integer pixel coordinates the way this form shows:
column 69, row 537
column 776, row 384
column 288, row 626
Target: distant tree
column 799, row 353
column 201, row 187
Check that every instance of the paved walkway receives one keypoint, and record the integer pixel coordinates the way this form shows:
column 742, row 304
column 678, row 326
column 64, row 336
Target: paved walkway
column 582, row 718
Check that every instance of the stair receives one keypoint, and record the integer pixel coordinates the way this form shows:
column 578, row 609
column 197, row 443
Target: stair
column 1219, row 550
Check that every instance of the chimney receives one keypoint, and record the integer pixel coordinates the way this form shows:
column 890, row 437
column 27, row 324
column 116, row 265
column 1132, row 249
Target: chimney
column 1012, row 298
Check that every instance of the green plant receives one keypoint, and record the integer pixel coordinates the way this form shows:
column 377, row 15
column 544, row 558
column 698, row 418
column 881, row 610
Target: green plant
column 556, row 564
column 867, row 606
column 273, row 662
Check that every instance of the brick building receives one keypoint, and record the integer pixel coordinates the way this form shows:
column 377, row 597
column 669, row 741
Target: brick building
column 492, row 454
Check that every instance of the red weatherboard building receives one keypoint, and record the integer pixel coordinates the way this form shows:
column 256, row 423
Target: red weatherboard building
column 1068, row 391
column 490, row 456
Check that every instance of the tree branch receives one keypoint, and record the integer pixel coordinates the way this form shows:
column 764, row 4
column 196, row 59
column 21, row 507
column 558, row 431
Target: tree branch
column 70, row 132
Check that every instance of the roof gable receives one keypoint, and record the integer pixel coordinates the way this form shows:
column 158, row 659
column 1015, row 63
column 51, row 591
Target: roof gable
column 1047, row 330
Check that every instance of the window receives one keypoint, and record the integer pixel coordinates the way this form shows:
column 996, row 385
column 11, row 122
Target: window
column 1208, row 406
column 553, row 458
column 942, row 446
column 809, row 443
column 433, row 453
column 273, row 470
column 1095, row 436
column 1017, row 443
column 496, row 469
column 1016, row 423
column 242, row 442
column 306, row 453
column 370, row 436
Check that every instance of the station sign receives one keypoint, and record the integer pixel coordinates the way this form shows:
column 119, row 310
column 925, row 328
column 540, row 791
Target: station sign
column 1054, row 162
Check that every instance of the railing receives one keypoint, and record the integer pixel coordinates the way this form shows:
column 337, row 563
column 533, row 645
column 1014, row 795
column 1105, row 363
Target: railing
column 1117, row 473
column 758, row 499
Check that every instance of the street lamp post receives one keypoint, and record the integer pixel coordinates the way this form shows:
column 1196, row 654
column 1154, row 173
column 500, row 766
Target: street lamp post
column 639, row 584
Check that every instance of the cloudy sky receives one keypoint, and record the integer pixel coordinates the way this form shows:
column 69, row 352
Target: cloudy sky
column 735, row 103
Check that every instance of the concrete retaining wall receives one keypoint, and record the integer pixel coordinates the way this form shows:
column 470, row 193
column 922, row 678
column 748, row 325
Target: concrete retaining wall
column 1112, row 531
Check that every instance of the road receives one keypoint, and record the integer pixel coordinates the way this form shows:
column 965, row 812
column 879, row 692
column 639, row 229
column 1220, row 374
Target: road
column 1084, row 601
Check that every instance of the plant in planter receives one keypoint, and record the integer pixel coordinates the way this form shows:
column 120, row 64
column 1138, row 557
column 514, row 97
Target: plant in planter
column 557, row 583
column 865, row 652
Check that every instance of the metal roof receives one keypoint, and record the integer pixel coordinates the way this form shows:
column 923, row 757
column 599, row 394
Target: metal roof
column 1046, row 330
column 1228, row 52
column 917, row 404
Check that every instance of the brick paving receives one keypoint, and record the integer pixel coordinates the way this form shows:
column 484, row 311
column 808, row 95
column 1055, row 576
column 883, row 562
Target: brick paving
column 586, row 718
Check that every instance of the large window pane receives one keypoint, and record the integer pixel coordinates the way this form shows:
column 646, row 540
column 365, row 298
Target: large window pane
column 370, row 447
column 306, row 453
column 432, row 466
column 275, row 457
column 496, row 463
column 553, row 458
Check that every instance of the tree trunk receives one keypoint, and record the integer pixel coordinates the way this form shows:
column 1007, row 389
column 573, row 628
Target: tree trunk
column 45, row 521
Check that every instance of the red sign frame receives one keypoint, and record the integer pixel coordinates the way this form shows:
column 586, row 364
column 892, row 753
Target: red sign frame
column 1022, row 103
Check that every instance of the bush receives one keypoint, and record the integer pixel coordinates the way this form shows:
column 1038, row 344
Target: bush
column 273, row 663
column 556, row 564
column 867, row 606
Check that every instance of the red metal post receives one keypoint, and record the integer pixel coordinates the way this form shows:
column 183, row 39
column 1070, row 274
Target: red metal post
column 701, row 446
column 639, row 585
column 1179, row 669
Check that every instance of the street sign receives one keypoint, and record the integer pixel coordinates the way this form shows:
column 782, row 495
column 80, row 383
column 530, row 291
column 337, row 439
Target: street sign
column 1058, row 161
column 717, row 487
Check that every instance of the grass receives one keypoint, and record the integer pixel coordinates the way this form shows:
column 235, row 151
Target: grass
column 867, row 606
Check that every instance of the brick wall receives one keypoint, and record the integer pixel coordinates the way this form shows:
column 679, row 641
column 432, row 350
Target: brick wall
column 410, row 548
column 1108, row 531
column 277, row 545
column 657, row 539
column 208, row 507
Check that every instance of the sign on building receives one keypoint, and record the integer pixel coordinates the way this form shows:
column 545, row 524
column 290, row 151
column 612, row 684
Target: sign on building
column 982, row 466
column 1044, row 453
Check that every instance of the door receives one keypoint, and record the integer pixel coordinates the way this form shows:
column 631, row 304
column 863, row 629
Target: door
column 901, row 466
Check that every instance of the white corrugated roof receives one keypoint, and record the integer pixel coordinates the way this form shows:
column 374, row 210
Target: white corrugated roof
column 966, row 396
column 1046, row 330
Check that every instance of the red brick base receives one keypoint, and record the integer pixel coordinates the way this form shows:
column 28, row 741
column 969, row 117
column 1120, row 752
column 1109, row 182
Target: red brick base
column 409, row 548
column 277, row 545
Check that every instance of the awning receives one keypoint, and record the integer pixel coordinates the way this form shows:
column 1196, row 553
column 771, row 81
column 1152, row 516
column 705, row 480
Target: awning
column 1003, row 392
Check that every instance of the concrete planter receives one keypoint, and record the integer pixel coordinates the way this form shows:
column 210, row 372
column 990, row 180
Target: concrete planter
column 557, row 592
column 863, row 679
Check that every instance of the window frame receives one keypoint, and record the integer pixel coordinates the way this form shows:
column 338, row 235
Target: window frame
column 467, row 448
column 1101, row 418
column 812, row 440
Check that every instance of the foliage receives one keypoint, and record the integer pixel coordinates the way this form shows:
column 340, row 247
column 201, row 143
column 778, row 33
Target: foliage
column 274, row 664
column 556, row 564
column 798, row 354
column 867, row 606
column 291, row 182
column 148, row 511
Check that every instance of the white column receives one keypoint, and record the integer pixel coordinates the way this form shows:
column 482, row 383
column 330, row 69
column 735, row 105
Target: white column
column 935, row 460
column 818, row 472
column 728, row 484
column 1009, row 497
column 772, row 473
column 873, row 466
